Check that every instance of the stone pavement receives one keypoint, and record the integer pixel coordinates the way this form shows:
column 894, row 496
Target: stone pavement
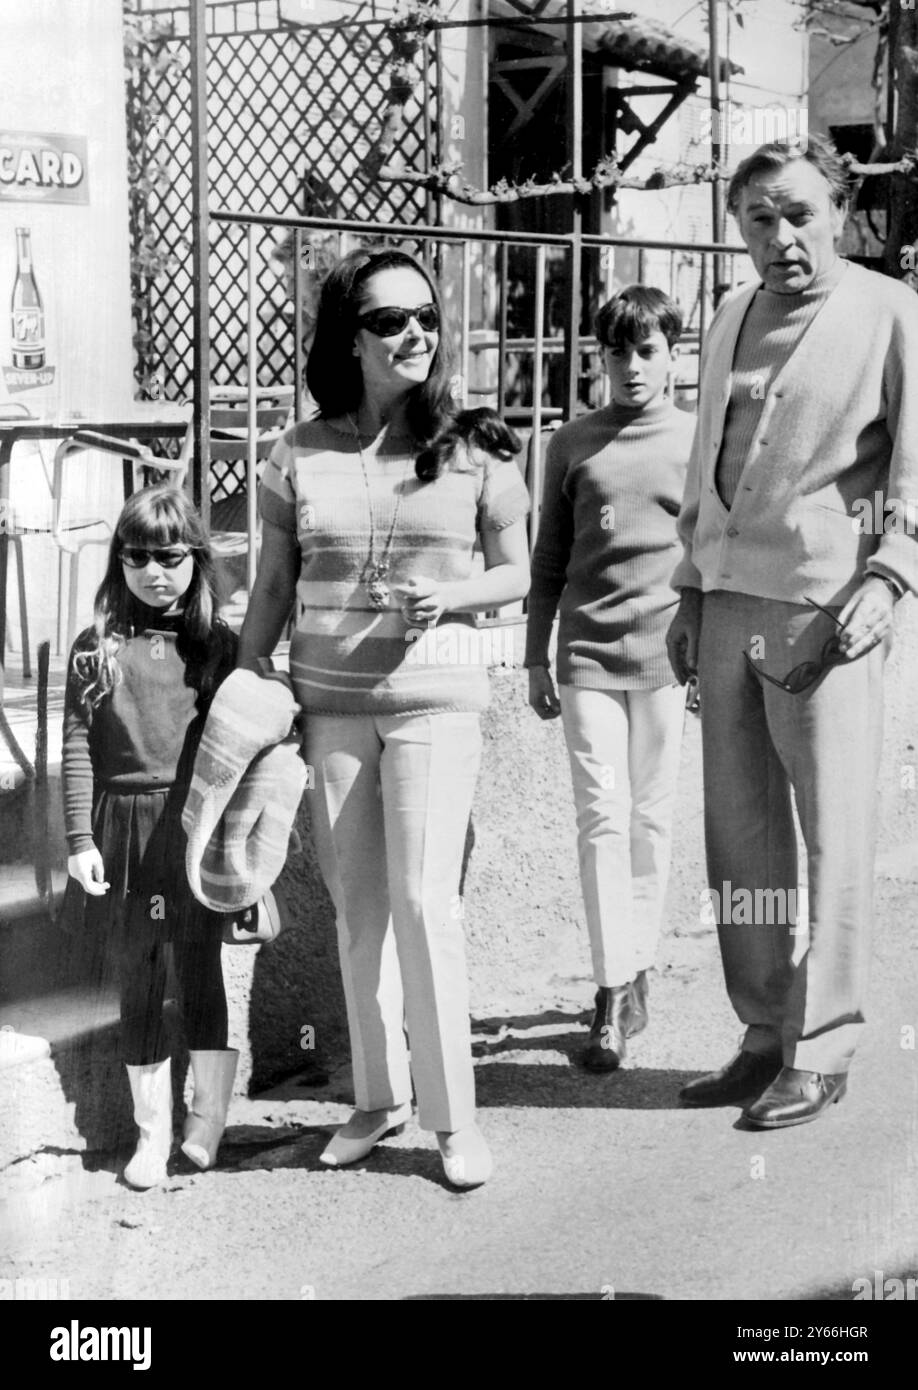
column 603, row 1186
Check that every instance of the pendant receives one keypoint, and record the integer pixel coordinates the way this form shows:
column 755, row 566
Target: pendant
column 378, row 592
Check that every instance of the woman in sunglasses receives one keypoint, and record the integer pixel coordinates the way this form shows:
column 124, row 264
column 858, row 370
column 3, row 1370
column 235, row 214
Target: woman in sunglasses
column 371, row 515
column 140, row 680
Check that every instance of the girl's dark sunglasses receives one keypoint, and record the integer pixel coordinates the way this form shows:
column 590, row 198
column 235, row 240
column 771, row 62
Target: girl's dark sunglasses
column 169, row 557
column 390, row 321
column 808, row 672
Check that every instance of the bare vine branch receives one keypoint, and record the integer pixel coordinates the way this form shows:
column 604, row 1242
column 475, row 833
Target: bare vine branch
column 446, row 179
column 908, row 165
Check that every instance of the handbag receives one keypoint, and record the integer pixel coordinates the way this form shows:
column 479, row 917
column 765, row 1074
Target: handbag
column 254, row 926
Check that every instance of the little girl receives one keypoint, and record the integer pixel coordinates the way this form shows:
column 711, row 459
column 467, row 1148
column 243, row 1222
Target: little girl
column 140, row 681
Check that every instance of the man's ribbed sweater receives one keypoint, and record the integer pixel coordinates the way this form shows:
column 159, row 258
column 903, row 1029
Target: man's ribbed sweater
column 607, row 547
column 772, row 328
column 839, row 424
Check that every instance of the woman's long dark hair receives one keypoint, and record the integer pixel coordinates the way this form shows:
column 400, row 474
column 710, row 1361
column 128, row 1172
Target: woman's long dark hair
column 333, row 373
column 155, row 516
column 334, row 376
column 479, row 429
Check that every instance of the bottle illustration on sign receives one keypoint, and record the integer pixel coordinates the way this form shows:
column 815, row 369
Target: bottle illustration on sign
column 27, row 312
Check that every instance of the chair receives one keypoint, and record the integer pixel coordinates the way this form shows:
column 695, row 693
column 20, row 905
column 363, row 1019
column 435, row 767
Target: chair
column 532, row 465
column 15, row 529
column 137, row 458
column 230, row 427
column 229, row 450
column 65, row 518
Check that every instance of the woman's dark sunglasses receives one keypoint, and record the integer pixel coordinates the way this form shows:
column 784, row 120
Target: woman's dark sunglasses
column 808, row 672
column 390, row 321
column 169, row 557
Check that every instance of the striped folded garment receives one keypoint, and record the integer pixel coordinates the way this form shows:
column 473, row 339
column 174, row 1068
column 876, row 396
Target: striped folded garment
column 245, row 791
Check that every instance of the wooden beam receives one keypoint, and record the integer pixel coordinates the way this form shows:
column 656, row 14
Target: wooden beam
column 531, row 11
column 535, row 39
column 528, row 64
column 648, row 133
column 508, row 90
column 526, row 111
column 658, row 91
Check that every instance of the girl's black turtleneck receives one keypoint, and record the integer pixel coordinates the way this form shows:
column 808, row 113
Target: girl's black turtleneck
column 135, row 736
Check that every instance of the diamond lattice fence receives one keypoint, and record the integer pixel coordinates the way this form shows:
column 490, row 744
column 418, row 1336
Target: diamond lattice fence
column 291, row 115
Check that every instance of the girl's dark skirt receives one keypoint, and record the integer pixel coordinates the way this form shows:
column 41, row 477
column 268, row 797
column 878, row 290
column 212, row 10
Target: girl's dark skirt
column 157, row 930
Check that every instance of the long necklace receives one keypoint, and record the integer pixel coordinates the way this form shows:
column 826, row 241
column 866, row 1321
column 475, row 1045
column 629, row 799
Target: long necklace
column 376, row 571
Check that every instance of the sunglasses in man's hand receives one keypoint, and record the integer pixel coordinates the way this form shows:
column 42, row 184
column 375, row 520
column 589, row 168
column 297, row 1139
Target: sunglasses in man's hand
column 808, row 672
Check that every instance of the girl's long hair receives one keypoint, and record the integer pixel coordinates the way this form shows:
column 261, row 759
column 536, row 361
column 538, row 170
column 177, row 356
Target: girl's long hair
column 333, row 373
column 155, row 516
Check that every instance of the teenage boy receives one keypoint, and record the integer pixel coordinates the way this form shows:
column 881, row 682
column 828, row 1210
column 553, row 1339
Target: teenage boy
column 607, row 548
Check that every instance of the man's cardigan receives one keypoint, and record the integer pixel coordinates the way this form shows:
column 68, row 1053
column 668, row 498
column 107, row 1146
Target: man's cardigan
column 839, row 426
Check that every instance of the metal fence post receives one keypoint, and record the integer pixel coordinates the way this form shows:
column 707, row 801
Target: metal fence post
column 251, row 475
column 200, row 464
column 538, row 357
column 573, row 37
column 298, row 356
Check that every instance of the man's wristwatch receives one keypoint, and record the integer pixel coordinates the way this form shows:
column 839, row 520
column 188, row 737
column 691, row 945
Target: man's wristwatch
column 891, row 584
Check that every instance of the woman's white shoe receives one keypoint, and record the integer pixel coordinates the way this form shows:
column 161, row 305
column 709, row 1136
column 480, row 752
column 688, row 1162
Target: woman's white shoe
column 362, row 1132
column 466, row 1157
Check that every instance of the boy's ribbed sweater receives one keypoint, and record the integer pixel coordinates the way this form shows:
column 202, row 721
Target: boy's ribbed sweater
column 607, row 547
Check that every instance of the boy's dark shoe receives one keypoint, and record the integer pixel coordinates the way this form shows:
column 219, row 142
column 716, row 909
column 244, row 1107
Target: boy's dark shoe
column 640, row 988
column 605, row 1048
column 794, row 1097
column 745, row 1075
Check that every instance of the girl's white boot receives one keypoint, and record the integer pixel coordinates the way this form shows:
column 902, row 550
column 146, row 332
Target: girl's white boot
column 214, row 1074
column 151, row 1088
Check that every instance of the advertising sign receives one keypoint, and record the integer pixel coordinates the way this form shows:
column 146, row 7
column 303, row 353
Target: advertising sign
column 42, row 168
column 65, row 296
column 65, row 308
column 28, row 367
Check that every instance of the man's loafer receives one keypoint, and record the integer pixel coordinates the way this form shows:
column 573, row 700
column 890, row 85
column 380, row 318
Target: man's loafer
column 639, row 988
column 745, row 1075
column 605, row 1049
column 794, row 1097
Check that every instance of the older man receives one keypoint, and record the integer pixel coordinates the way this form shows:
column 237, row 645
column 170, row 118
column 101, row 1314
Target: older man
column 808, row 408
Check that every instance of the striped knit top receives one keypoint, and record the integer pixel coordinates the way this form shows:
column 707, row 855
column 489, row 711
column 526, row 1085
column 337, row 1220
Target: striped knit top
column 772, row 328
column 346, row 657
column 607, row 547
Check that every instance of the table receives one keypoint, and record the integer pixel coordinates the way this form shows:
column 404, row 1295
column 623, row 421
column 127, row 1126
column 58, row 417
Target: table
column 143, row 420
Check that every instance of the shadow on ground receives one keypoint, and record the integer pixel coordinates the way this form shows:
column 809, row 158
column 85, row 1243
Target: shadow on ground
column 503, row 1076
